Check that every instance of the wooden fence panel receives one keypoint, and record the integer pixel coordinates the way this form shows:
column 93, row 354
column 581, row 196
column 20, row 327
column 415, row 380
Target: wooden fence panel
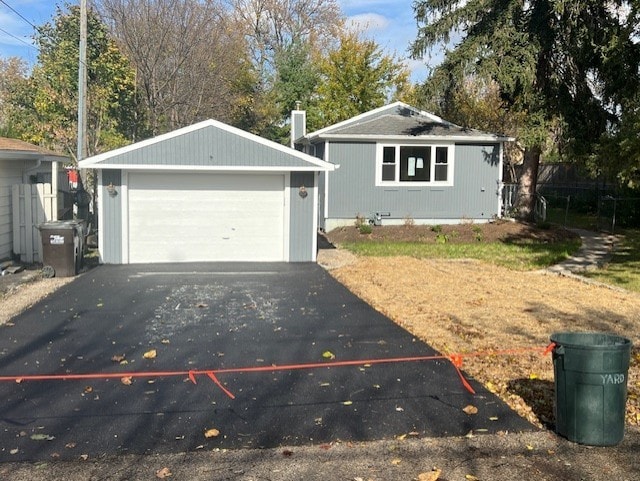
column 33, row 204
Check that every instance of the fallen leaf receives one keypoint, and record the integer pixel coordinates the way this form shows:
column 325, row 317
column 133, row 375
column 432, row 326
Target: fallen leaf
column 402, row 437
column 163, row 473
column 88, row 389
column 434, row 475
column 493, row 418
column 118, row 358
column 84, row 457
column 470, row 477
column 150, row 354
column 211, row 433
column 202, row 305
column 70, row 445
column 55, row 455
column 328, row 355
column 14, row 451
column 529, row 447
column 325, row 384
column 287, row 453
column 127, row 381
column 470, row 410
column 165, row 341
column 347, row 403
column 18, row 381
column 399, row 409
column 99, row 304
column 396, row 461
column 533, row 376
column 42, row 437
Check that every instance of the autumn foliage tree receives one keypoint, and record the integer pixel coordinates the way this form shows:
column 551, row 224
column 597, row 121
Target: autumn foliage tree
column 45, row 103
column 357, row 76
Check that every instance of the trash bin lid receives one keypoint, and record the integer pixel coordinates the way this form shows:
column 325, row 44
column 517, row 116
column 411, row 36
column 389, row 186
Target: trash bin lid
column 60, row 224
column 589, row 340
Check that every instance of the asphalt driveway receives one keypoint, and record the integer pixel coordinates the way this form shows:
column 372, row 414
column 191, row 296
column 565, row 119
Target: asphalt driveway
column 215, row 317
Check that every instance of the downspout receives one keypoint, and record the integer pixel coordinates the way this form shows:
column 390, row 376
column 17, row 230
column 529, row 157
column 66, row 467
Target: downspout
column 25, row 172
column 54, row 184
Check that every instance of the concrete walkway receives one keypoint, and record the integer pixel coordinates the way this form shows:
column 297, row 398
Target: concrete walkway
column 596, row 251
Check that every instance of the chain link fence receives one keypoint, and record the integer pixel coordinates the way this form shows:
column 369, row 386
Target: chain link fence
column 593, row 208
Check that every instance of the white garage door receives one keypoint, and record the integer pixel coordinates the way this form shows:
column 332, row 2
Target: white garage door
column 205, row 217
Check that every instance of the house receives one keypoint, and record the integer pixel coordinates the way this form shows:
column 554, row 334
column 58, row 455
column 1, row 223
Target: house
column 207, row 192
column 399, row 164
column 20, row 163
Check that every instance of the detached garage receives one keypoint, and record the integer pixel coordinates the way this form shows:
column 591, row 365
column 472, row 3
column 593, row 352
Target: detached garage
column 207, row 193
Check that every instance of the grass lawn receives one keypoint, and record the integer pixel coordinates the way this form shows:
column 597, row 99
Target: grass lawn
column 529, row 255
column 624, row 268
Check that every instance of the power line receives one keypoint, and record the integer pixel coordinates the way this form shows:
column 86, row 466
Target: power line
column 17, row 13
column 17, row 38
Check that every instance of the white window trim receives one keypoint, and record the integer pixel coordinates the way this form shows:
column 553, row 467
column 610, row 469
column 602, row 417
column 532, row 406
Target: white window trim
column 397, row 183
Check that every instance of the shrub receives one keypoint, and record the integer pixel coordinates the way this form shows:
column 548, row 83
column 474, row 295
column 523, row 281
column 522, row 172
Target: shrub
column 365, row 228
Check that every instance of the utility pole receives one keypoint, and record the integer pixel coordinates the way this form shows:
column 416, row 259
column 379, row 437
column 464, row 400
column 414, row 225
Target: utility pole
column 82, row 207
column 82, row 83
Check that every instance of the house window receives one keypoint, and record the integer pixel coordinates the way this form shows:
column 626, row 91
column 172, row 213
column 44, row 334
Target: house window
column 389, row 163
column 442, row 164
column 416, row 164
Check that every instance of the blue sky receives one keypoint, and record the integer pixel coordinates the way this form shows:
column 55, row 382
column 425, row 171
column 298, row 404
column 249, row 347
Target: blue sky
column 390, row 23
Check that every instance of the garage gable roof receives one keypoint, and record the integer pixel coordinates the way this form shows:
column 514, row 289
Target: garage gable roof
column 208, row 145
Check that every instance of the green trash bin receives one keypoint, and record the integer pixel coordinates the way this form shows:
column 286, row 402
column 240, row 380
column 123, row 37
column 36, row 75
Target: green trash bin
column 590, row 372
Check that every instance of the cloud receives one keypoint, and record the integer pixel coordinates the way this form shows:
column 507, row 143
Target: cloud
column 368, row 22
column 355, row 4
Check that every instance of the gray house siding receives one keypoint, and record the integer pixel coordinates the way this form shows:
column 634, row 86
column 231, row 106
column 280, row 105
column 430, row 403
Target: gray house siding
column 301, row 217
column 111, row 218
column 208, row 146
column 352, row 188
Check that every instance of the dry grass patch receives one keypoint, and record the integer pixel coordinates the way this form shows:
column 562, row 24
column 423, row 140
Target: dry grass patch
column 471, row 306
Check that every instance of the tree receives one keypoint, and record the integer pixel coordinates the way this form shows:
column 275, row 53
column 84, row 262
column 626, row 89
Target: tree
column 273, row 26
column 548, row 57
column 283, row 34
column 357, row 77
column 45, row 104
column 187, row 57
column 13, row 73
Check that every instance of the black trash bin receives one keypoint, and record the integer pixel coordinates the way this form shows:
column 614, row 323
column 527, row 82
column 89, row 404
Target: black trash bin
column 591, row 386
column 62, row 247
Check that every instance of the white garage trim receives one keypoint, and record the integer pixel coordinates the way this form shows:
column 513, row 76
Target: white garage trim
column 205, row 217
